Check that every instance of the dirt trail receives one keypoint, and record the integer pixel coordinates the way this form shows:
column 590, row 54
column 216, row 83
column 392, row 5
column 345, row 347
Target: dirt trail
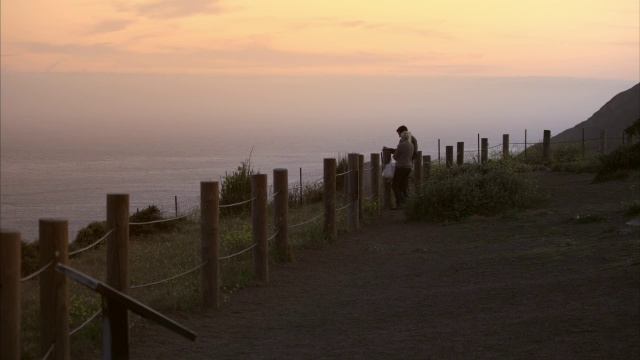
column 540, row 284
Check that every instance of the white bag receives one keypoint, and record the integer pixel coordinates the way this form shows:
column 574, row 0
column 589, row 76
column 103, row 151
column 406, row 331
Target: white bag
column 388, row 170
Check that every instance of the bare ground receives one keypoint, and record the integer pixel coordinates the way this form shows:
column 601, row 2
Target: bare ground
column 540, row 284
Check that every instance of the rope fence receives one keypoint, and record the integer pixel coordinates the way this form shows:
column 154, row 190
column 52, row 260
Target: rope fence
column 92, row 245
column 354, row 195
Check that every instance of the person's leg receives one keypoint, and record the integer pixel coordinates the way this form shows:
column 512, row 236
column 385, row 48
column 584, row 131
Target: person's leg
column 395, row 186
column 405, row 185
column 401, row 182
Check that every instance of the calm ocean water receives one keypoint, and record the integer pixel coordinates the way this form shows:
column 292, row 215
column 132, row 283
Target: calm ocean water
column 71, row 183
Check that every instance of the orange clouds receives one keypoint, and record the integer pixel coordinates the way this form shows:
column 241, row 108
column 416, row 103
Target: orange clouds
column 494, row 37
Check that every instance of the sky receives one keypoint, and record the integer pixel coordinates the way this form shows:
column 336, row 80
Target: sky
column 163, row 68
column 568, row 38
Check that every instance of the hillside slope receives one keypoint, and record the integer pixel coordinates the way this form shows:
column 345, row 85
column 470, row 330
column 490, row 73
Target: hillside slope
column 614, row 116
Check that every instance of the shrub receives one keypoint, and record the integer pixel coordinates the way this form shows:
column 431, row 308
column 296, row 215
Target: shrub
column 459, row 192
column 30, row 257
column 88, row 235
column 152, row 213
column 618, row 164
column 236, row 188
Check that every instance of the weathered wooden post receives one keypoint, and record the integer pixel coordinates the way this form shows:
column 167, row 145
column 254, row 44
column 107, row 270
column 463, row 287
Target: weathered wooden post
column 360, row 185
column 176, row 203
column 386, row 159
column 417, row 171
column 210, row 243
column 546, row 147
column 426, row 160
column 484, row 155
column 10, row 304
column 478, row 143
column 603, row 141
column 439, row 152
column 329, row 199
column 460, row 155
column 54, row 288
column 281, row 214
column 259, row 227
column 583, row 142
column 505, row 146
column 375, row 180
column 449, row 155
column 354, row 217
column 116, row 319
column 525, row 144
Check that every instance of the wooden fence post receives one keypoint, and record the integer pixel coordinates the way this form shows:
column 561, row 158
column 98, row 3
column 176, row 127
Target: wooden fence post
column 603, row 141
column 417, row 171
column 116, row 336
column 525, row 144
column 353, row 198
column 329, row 199
column 505, row 146
column 10, row 303
column 426, row 160
column 460, row 155
column 484, row 151
column 281, row 214
column 386, row 159
column 259, row 227
column 546, row 147
column 54, row 288
column 210, row 243
column 449, row 155
column 360, row 185
column 375, row 180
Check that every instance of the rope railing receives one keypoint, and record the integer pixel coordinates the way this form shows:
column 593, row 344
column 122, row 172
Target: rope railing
column 344, row 207
column 273, row 236
column 46, row 355
column 273, row 195
column 31, row 276
column 236, row 204
column 168, row 279
column 238, row 253
column 344, row 173
column 85, row 323
column 307, row 221
column 92, row 245
column 164, row 220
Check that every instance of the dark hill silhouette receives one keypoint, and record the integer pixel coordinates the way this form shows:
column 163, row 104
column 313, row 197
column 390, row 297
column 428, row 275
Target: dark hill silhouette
column 614, row 116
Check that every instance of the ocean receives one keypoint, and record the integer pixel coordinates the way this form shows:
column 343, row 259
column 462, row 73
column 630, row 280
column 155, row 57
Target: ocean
column 72, row 182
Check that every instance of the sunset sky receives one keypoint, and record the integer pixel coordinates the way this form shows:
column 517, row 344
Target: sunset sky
column 569, row 38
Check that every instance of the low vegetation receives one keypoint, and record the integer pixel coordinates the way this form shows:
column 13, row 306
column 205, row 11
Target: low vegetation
column 166, row 249
column 455, row 193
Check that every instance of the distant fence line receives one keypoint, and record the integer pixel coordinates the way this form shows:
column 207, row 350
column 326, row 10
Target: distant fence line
column 54, row 297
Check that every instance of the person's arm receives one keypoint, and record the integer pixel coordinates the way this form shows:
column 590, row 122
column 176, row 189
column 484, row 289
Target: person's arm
column 391, row 150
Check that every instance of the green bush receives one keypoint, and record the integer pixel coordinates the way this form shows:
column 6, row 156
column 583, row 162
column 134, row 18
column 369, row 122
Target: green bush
column 30, row 257
column 456, row 193
column 88, row 235
column 152, row 213
column 236, row 188
column 618, row 164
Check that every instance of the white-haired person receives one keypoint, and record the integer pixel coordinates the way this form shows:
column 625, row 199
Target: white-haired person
column 403, row 156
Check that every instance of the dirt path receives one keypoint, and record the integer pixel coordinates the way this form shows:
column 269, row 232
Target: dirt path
column 536, row 285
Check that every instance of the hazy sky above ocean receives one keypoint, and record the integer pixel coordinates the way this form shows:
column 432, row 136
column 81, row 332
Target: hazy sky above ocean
column 90, row 86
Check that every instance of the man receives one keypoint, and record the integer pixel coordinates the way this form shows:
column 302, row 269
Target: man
column 400, row 130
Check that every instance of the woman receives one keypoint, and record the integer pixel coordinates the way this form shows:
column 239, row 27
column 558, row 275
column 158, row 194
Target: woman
column 402, row 156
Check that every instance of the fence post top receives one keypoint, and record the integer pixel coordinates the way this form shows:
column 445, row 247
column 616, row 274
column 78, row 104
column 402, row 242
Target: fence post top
column 209, row 182
column 6, row 231
column 280, row 170
column 52, row 220
column 117, row 195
